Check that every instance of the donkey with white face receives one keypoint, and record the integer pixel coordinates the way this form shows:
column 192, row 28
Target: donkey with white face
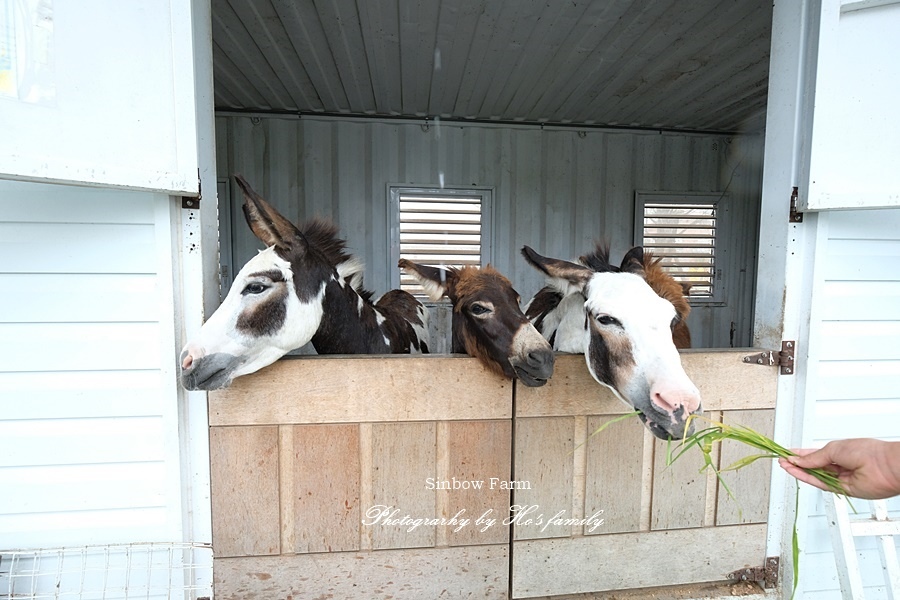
column 624, row 330
column 303, row 287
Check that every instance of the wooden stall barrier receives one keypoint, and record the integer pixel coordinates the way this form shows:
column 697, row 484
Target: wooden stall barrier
column 327, row 477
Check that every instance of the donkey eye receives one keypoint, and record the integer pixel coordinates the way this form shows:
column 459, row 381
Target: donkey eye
column 608, row 320
column 478, row 309
column 254, row 288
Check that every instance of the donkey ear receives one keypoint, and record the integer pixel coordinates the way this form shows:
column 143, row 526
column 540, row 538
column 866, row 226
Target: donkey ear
column 565, row 275
column 634, row 261
column 437, row 282
column 265, row 222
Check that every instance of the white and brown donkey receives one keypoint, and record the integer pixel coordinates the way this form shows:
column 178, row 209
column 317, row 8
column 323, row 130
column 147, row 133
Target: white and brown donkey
column 624, row 329
column 303, row 287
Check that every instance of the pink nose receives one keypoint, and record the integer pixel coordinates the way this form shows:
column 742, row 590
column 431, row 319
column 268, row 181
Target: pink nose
column 675, row 399
column 189, row 355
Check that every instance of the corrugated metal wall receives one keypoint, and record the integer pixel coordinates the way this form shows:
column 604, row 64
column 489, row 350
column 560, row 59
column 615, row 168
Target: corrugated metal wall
column 557, row 190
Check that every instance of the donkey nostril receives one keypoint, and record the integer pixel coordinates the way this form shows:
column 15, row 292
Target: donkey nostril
column 187, row 362
column 664, row 403
column 539, row 357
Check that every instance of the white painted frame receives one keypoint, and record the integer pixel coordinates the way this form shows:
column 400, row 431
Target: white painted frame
column 112, row 119
column 850, row 144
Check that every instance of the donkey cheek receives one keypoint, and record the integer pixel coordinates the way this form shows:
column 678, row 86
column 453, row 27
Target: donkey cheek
column 266, row 318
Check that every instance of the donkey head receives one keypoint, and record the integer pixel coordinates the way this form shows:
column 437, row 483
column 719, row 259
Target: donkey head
column 273, row 306
column 487, row 321
column 627, row 337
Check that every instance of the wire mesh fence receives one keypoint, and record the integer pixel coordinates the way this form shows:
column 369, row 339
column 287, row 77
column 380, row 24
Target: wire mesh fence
column 109, row 572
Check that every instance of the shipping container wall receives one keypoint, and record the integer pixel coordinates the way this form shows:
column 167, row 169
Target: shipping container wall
column 555, row 189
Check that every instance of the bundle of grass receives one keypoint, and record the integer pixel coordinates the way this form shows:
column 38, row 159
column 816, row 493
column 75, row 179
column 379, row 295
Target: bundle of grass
column 716, row 432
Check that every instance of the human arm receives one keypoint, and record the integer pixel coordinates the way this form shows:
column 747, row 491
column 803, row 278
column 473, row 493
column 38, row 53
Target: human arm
column 867, row 468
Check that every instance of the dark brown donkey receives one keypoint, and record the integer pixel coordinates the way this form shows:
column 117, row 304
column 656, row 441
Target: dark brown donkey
column 487, row 321
column 302, row 287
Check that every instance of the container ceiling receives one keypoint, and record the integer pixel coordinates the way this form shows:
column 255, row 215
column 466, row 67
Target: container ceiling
column 698, row 65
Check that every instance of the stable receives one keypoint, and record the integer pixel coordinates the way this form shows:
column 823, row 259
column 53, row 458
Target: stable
column 770, row 128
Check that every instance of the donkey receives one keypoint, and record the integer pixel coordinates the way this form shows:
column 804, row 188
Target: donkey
column 487, row 321
column 624, row 329
column 303, row 287
column 545, row 308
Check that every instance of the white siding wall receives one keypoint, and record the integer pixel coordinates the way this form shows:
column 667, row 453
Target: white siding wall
column 88, row 423
column 853, row 382
column 556, row 190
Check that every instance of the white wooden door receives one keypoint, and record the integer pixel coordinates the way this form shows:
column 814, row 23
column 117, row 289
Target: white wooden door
column 850, row 146
column 100, row 93
column 101, row 135
column 830, row 280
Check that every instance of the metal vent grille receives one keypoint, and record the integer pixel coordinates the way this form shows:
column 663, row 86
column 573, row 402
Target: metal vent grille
column 439, row 230
column 684, row 236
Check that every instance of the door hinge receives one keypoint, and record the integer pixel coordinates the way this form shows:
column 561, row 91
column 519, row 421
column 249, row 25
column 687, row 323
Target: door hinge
column 784, row 360
column 766, row 575
column 796, row 216
column 190, row 202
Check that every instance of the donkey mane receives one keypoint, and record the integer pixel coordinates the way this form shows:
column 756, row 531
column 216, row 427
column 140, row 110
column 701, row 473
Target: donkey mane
column 664, row 285
column 598, row 260
column 322, row 236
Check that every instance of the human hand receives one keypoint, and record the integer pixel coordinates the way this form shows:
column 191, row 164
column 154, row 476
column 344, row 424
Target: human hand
column 866, row 467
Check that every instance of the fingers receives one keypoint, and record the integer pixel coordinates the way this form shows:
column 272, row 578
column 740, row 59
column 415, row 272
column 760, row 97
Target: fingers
column 792, row 469
column 811, row 459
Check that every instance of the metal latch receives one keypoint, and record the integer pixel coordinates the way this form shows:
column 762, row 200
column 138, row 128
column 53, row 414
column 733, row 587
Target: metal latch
column 189, row 202
column 784, row 359
column 766, row 575
column 795, row 215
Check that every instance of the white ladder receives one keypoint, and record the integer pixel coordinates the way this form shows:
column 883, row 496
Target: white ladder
column 844, row 529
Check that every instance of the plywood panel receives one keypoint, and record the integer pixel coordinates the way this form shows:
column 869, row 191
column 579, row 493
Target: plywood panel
column 750, row 484
column 632, row 560
column 403, row 459
column 460, row 572
column 357, row 389
column 479, row 452
column 544, row 465
column 723, row 379
column 325, row 475
column 614, row 476
column 244, row 487
column 679, row 490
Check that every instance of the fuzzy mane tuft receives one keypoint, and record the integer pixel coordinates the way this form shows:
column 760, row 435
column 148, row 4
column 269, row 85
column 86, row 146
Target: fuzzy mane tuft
column 598, row 260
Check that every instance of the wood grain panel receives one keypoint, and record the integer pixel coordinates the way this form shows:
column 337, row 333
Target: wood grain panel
column 460, row 572
column 403, row 458
column 325, row 500
column 750, row 485
column 725, row 382
column 613, row 483
column 244, row 488
column 634, row 560
column 544, row 462
column 679, row 490
column 479, row 451
column 317, row 389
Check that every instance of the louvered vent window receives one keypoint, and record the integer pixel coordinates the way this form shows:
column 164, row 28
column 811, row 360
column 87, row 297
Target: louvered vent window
column 440, row 228
column 682, row 231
